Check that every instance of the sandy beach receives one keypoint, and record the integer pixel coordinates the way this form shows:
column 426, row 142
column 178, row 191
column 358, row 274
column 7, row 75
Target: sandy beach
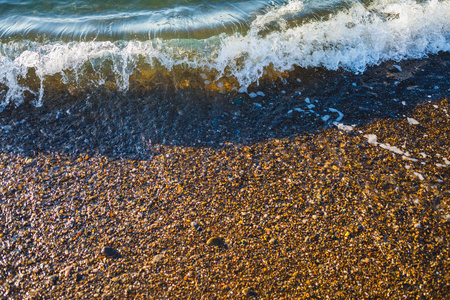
column 333, row 186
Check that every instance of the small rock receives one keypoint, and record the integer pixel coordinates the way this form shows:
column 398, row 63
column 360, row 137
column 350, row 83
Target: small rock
column 249, row 292
column 273, row 241
column 109, row 251
column 53, row 279
column 157, row 258
column 196, row 226
column 412, row 121
column 66, row 271
column 215, row 241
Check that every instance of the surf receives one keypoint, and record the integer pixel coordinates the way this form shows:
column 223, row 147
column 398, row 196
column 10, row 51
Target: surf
column 274, row 38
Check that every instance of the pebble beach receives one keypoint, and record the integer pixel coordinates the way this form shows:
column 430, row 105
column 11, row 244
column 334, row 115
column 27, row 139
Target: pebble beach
column 226, row 203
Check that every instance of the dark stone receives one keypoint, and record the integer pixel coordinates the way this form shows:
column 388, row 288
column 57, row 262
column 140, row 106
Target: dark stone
column 110, row 252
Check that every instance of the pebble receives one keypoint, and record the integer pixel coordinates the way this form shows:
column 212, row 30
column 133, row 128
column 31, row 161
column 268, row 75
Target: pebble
column 249, row 292
column 157, row 258
column 273, row 241
column 109, row 251
column 53, row 279
column 215, row 241
column 196, row 226
column 67, row 271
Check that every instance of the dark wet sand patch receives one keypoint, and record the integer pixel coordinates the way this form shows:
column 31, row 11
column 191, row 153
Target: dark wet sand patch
column 123, row 125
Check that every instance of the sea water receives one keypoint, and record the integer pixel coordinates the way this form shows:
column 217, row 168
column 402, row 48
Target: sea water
column 79, row 45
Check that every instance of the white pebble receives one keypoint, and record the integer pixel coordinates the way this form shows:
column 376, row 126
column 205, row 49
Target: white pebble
column 371, row 139
column 344, row 127
column 412, row 121
column 420, row 176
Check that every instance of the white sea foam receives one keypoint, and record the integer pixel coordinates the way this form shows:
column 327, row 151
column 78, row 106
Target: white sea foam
column 353, row 39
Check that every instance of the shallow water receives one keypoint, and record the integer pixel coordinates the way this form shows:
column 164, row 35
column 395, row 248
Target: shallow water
column 227, row 45
column 123, row 20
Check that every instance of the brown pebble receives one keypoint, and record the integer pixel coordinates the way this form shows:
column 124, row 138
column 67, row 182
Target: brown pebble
column 215, row 241
column 66, row 271
column 53, row 279
column 249, row 292
column 157, row 258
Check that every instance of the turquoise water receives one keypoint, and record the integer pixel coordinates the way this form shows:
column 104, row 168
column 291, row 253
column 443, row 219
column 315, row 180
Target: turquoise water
column 76, row 45
column 134, row 19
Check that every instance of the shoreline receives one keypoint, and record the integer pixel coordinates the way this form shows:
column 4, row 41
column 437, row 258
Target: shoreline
column 302, row 210
column 123, row 124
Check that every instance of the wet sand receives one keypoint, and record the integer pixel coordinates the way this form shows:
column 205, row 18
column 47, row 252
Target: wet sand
column 226, row 196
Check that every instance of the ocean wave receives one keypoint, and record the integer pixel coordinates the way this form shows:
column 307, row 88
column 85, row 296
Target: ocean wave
column 351, row 38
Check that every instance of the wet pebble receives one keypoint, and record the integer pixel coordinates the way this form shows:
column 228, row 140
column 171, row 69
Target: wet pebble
column 216, row 241
column 110, row 252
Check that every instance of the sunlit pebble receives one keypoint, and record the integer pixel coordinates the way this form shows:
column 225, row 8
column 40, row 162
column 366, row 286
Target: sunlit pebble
column 215, row 241
column 157, row 258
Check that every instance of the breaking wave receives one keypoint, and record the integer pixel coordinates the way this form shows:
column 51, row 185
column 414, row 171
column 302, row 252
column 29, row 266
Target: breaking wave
column 330, row 34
